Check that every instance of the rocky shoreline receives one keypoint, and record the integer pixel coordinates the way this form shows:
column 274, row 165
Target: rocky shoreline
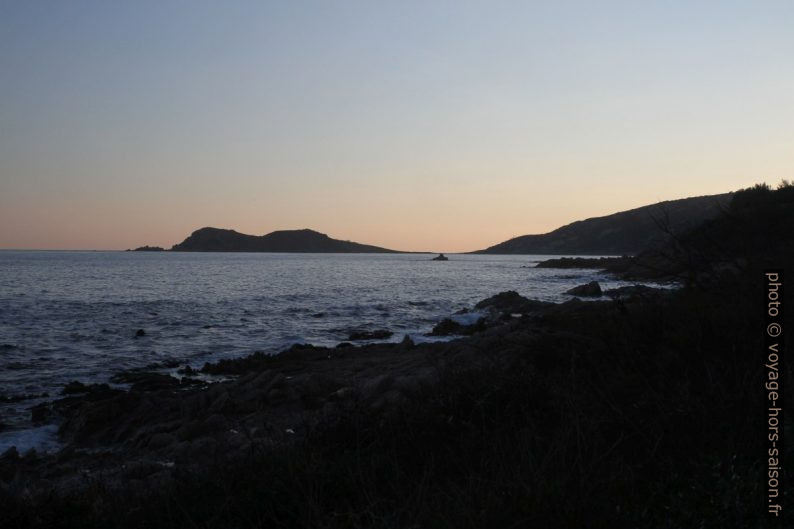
column 163, row 424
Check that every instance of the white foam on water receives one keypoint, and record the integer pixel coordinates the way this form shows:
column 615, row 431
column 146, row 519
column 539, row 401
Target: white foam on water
column 468, row 318
column 43, row 439
column 421, row 338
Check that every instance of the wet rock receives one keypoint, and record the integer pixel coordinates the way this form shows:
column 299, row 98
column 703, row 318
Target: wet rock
column 187, row 371
column 448, row 327
column 407, row 343
column 591, row 289
column 379, row 334
column 236, row 366
column 139, row 333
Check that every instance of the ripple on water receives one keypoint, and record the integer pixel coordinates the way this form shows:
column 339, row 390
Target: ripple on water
column 73, row 315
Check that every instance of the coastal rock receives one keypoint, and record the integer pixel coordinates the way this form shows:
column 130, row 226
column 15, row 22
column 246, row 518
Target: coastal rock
column 610, row 264
column 447, row 327
column 591, row 289
column 146, row 380
column 407, row 343
column 635, row 291
column 510, row 302
column 236, row 366
column 187, row 371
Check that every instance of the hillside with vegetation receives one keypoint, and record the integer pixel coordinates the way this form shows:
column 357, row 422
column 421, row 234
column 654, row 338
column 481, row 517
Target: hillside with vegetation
column 626, row 232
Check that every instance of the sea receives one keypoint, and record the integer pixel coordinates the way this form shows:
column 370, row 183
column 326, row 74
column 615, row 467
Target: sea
column 67, row 316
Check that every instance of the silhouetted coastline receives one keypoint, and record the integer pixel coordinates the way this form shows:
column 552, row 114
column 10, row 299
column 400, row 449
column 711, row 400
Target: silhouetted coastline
column 309, row 241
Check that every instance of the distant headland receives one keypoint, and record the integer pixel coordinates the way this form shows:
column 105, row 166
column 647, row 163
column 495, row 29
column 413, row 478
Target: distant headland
column 626, row 232
column 298, row 241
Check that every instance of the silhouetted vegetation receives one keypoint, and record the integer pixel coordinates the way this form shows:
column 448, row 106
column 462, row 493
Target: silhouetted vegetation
column 626, row 232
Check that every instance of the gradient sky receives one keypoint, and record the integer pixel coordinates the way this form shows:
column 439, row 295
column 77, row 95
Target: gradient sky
column 446, row 126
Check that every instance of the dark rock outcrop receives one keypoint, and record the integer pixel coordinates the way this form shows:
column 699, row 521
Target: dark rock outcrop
column 609, row 264
column 636, row 291
column 146, row 380
column 591, row 289
column 448, row 327
column 511, row 302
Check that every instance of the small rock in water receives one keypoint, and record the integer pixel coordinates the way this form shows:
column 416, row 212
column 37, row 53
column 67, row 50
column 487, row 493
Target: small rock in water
column 369, row 335
column 139, row 333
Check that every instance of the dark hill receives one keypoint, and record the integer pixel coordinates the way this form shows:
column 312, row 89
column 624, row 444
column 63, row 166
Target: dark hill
column 627, row 232
column 306, row 241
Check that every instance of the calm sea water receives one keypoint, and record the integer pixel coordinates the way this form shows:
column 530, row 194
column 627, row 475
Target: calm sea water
column 73, row 315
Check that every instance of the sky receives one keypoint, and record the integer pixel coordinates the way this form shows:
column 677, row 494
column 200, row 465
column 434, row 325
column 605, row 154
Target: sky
column 439, row 126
